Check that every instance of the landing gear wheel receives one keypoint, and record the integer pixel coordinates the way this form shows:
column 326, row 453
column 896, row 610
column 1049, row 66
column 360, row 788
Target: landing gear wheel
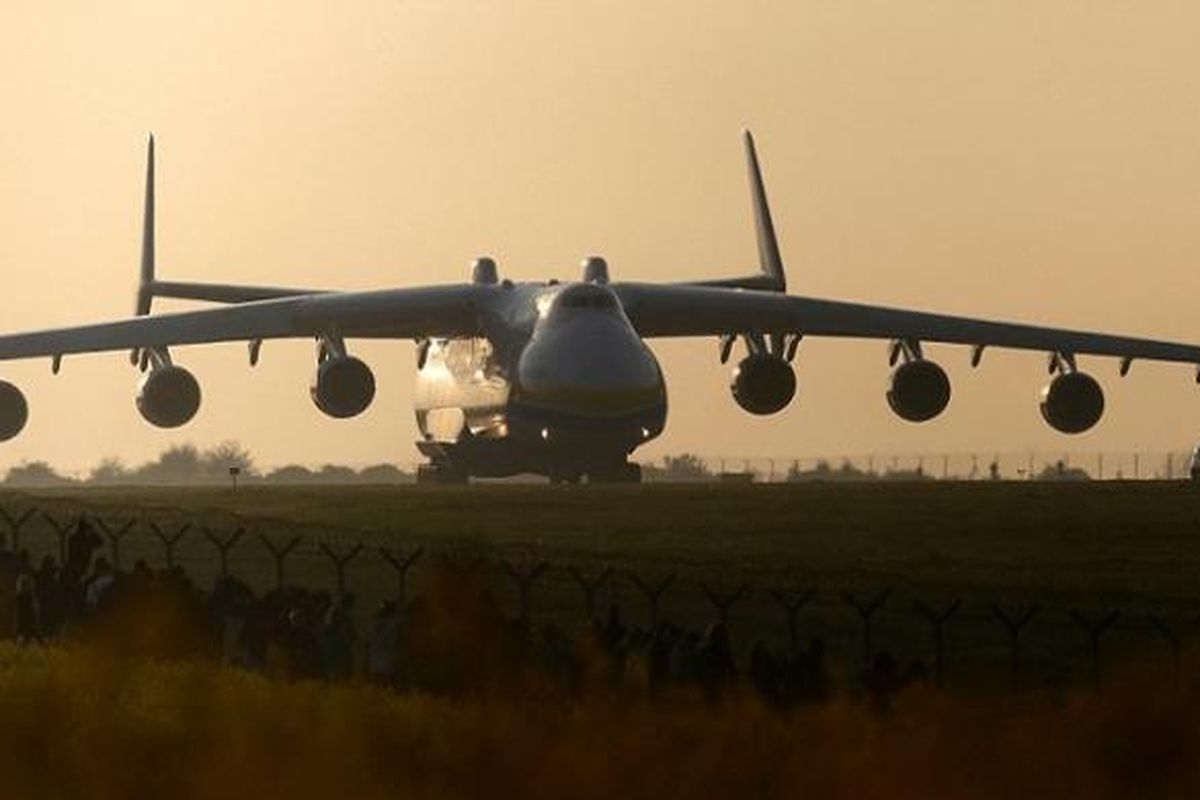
column 440, row 474
column 620, row 473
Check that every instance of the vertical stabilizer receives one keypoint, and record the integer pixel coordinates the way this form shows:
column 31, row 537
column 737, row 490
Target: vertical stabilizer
column 146, row 278
column 769, row 260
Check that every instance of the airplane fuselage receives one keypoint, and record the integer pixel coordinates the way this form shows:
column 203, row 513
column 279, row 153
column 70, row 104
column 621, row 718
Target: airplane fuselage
column 561, row 385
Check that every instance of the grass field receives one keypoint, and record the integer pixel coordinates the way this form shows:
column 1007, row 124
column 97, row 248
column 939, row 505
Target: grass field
column 1125, row 540
column 1085, row 547
column 82, row 721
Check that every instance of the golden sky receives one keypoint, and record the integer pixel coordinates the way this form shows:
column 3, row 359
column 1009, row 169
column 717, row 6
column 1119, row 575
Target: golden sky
column 1031, row 161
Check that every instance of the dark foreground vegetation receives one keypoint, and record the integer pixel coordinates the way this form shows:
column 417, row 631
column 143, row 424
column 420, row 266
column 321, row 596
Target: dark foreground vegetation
column 150, row 687
column 77, row 723
column 173, row 666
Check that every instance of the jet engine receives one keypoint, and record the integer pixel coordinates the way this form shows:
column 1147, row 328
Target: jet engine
column 1072, row 402
column 14, row 411
column 168, row 396
column 343, row 386
column 763, row 384
column 919, row 390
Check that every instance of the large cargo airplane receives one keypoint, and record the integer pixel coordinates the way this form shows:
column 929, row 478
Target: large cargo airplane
column 555, row 378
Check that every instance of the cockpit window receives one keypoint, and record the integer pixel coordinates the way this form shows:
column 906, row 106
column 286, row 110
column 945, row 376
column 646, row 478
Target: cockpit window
column 587, row 298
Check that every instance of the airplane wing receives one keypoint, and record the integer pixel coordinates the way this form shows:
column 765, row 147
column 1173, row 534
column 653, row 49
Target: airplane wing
column 450, row 310
column 758, row 305
column 679, row 310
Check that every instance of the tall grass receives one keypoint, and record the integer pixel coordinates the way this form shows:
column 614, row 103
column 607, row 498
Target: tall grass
column 80, row 722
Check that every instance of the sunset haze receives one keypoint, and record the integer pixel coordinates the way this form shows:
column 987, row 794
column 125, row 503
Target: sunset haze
column 1027, row 162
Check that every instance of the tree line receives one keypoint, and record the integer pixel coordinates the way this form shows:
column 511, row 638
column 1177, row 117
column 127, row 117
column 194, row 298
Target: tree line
column 188, row 464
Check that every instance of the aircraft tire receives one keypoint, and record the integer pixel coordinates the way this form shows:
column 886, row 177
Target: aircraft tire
column 437, row 474
column 621, row 473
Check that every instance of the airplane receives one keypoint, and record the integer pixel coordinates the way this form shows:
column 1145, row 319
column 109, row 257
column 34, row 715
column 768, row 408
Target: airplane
column 555, row 378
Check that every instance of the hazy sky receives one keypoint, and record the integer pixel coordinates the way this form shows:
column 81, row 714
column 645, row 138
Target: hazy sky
column 1032, row 161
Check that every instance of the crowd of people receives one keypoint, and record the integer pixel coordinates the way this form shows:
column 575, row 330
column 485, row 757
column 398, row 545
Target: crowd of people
column 453, row 637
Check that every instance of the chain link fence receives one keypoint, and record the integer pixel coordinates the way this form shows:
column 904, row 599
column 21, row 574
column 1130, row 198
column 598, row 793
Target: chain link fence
column 1012, row 465
column 954, row 633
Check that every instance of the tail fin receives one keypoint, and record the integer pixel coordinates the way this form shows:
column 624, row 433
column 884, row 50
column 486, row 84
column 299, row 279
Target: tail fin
column 149, row 286
column 771, row 276
column 145, row 292
column 769, row 260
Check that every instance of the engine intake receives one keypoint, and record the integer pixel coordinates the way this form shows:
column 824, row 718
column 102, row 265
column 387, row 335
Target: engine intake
column 14, row 411
column 1072, row 403
column 919, row 390
column 763, row 384
column 343, row 387
column 168, row 396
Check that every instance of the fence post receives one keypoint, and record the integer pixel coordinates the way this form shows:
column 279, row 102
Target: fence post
column 938, row 620
column 1172, row 637
column 1094, row 629
column 114, row 536
column 866, row 610
column 280, row 554
column 723, row 602
column 223, row 546
column 791, row 606
column 524, row 579
column 590, row 586
column 15, row 523
column 1014, row 623
column 653, row 593
column 340, row 560
column 62, row 530
column 401, row 564
column 169, row 540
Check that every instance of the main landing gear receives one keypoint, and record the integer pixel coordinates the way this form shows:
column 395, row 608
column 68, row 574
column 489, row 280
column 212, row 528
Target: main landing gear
column 615, row 473
column 619, row 473
column 440, row 474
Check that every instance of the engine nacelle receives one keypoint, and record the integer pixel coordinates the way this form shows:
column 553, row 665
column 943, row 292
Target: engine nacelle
column 1073, row 402
column 168, row 396
column 14, row 411
column 919, row 390
column 763, row 384
column 343, row 387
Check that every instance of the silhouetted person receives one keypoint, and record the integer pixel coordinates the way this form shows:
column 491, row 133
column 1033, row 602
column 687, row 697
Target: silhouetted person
column 337, row 640
column 24, row 562
column 300, row 646
column 81, row 544
column 556, row 655
column 26, row 627
column 614, row 631
column 141, row 578
column 915, row 673
column 685, row 658
column 48, row 585
column 658, row 667
column 882, row 681
column 716, row 660
column 383, row 644
column 99, row 584
column 812, row 682
column 764, row 673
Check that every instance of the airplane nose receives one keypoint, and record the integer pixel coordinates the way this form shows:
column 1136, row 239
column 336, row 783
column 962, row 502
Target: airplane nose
column 595, row 366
